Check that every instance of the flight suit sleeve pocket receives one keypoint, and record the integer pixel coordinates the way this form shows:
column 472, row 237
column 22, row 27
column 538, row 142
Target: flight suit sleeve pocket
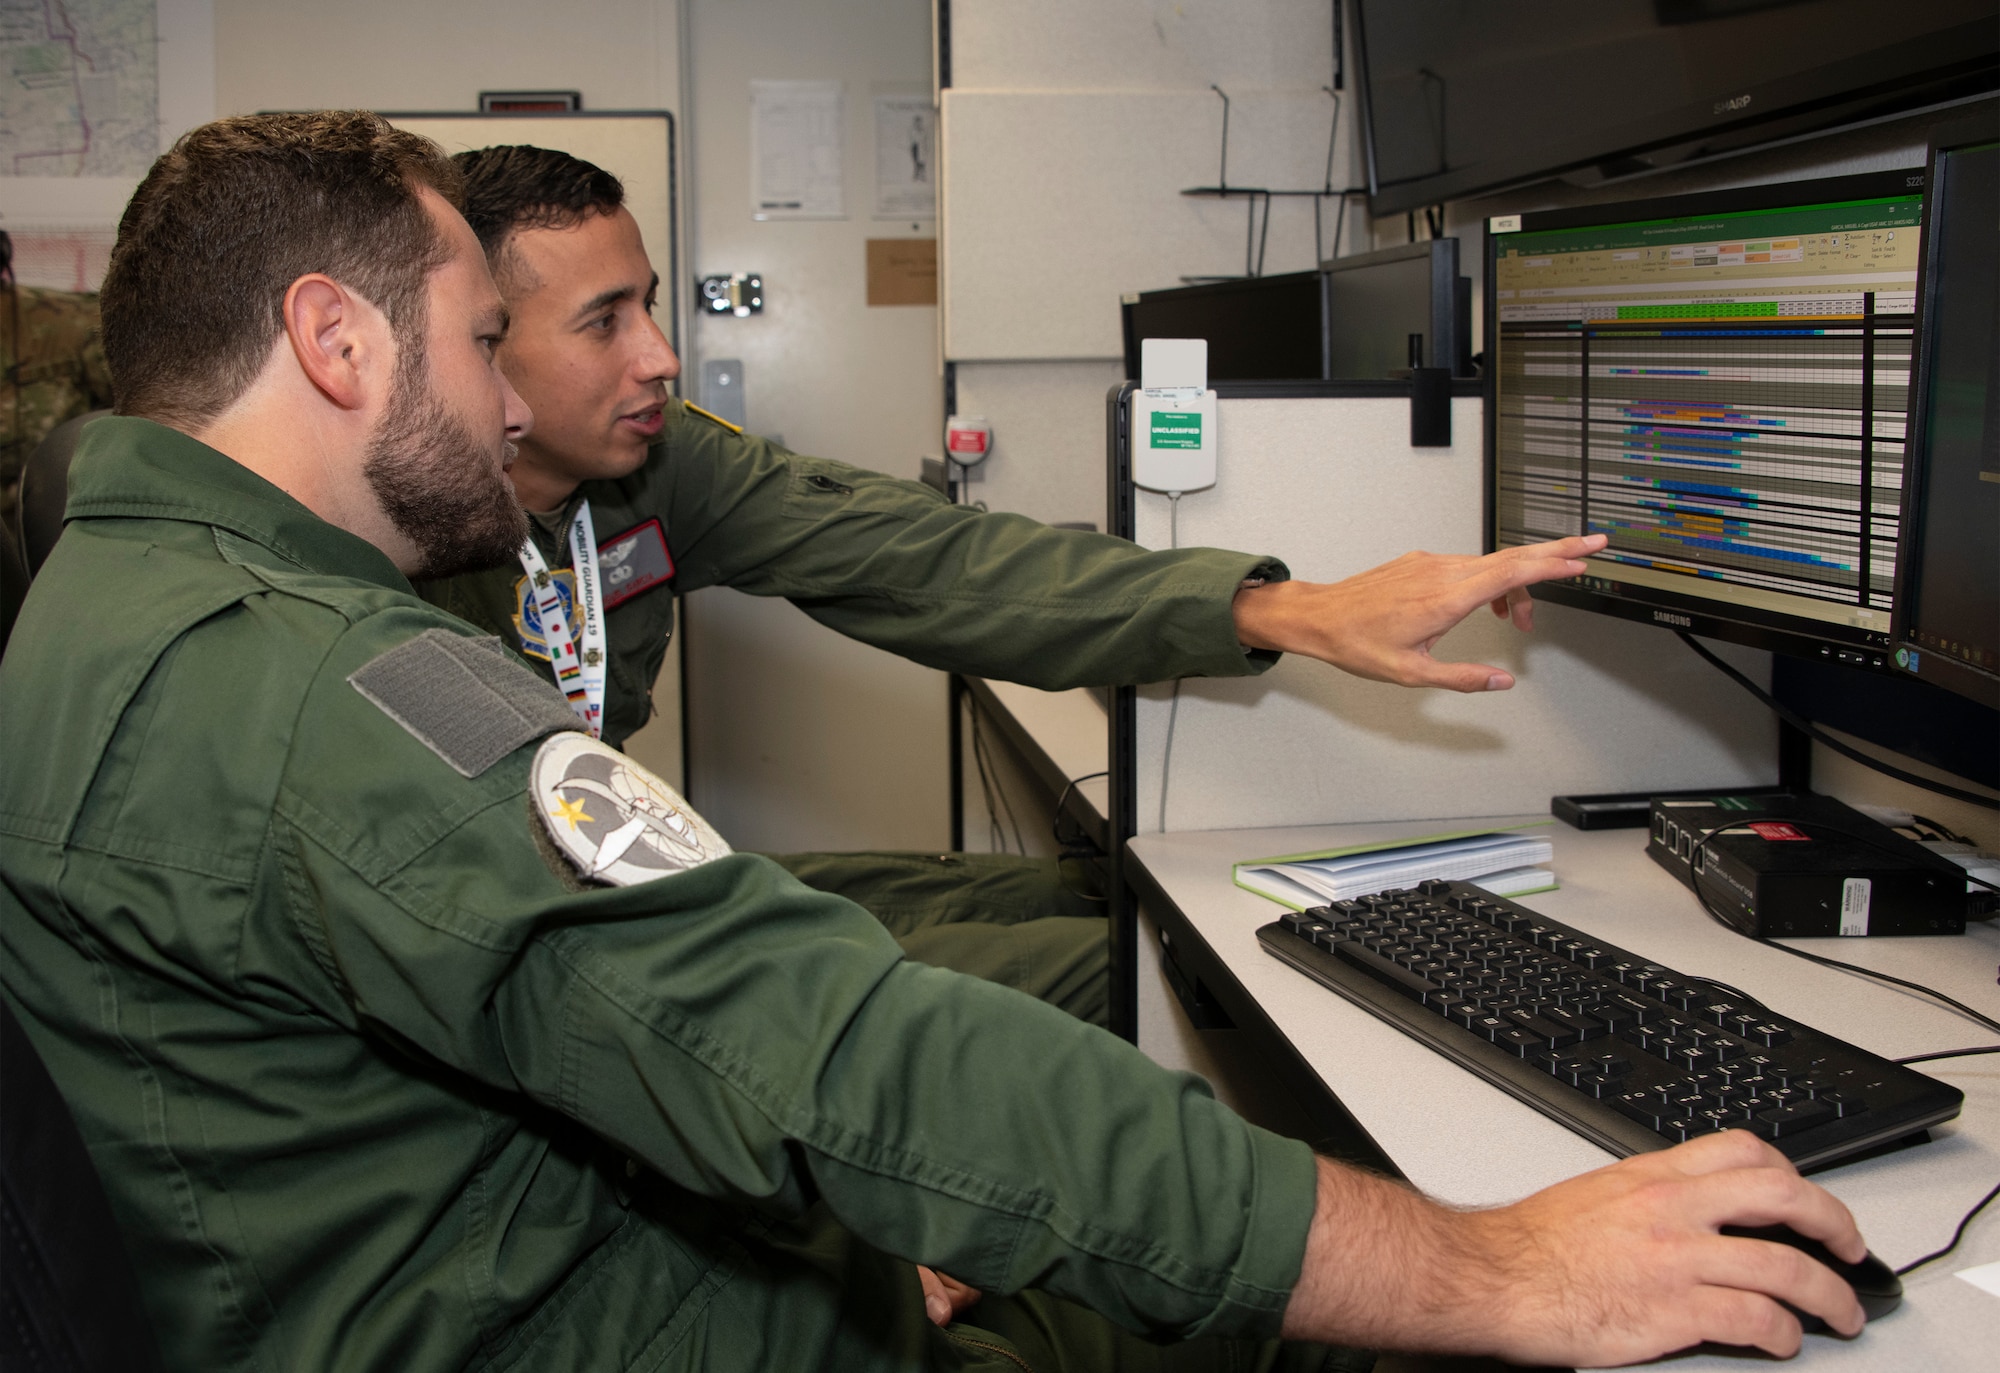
column 820, row 489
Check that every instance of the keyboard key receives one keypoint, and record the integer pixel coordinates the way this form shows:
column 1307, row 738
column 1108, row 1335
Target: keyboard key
column 1644, row 1108
column 1844, row 1104
column 1599, row 1085
column 1547, row 1033
column 1584, row 1026
column 1385, row 970
column 1769, row 1033
column 1716, row 1012
column 1519, row 1040
column 1786, row 1121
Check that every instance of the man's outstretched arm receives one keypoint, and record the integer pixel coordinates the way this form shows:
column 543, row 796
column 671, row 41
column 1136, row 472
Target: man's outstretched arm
column 1383, row 623
column 1617, row 1265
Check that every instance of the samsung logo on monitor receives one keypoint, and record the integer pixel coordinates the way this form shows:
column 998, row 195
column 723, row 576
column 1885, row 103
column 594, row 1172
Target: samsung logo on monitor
column 1741, row 102
column 1667, row 617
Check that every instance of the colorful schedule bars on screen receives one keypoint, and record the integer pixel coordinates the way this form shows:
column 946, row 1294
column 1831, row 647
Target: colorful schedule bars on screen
column 1725, row 399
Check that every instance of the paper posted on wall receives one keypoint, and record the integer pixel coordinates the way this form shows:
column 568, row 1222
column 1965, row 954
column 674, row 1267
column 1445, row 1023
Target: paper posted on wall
column 795, row 150
column 905, row 157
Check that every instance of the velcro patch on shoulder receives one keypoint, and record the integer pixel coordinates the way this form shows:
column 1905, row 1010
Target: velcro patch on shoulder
column 465, row 699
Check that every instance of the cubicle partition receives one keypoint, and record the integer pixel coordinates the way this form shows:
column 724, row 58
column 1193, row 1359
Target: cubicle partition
column 1323, row 475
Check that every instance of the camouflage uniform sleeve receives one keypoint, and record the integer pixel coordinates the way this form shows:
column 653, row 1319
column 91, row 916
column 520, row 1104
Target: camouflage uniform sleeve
column 891, row 563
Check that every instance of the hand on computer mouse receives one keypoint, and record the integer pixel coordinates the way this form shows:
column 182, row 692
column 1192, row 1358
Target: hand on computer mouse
column 1874, row 1282
column 1628, row 1263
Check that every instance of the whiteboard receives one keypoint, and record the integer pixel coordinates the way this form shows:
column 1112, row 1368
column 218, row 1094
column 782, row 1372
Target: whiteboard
column 635, row 147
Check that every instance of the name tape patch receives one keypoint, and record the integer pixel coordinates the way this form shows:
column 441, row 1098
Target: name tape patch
column 634, row 561
column 465, row 699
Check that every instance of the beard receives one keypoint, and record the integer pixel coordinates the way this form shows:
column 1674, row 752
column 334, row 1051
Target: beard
column 437, row 483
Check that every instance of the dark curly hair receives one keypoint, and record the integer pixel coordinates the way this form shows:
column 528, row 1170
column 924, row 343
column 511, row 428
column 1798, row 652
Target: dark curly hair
column 514, row 187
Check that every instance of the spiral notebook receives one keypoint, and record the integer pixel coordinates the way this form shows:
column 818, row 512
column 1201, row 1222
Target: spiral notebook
column 1506, row 862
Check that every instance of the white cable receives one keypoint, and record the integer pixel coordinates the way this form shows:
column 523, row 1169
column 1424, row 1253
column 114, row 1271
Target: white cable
column 1173, row 706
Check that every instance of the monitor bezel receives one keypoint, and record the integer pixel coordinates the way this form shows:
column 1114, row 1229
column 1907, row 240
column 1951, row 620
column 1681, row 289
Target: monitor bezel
column 1938, row 669
column 1934, row 69
column 1748, row 625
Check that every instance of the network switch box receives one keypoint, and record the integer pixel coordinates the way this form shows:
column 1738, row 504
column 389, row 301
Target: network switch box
column 1784, row 866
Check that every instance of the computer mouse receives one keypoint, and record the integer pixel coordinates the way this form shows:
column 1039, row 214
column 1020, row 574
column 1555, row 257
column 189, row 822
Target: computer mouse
column 1875, row 1283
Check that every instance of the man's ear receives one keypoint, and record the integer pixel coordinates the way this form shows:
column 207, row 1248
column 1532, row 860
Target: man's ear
column 341, row 342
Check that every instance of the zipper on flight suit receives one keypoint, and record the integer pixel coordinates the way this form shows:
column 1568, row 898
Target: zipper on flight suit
column 819, row 481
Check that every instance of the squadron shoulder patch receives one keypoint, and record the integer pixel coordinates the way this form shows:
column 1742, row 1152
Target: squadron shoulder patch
column 613, row 819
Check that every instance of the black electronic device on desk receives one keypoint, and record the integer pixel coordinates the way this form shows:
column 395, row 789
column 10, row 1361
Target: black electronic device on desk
column 1781, row 867
column 1629, row 1054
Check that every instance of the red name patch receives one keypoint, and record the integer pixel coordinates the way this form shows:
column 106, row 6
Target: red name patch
column 632, row 562
column 1777, row 829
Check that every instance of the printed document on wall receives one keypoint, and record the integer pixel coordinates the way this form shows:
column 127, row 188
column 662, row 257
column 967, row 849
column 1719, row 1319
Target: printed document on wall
column 795, row 150
column 905, row 157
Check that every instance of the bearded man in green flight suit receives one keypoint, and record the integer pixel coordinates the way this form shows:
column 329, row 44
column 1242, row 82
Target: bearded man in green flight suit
column 693, row 502
column 393, row 1051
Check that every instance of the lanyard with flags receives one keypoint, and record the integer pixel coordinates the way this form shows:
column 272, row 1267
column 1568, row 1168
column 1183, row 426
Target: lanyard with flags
column 577, row 659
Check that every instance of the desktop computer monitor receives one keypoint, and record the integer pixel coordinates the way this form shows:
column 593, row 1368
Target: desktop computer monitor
column 1719, row 383
column 1258, row 328
column 1377, row 300
column 1948, row 596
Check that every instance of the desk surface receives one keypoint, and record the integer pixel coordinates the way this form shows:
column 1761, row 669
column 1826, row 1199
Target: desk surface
column 1473, row 1144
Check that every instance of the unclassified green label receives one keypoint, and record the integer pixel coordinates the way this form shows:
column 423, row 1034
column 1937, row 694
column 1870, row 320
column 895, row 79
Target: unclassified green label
column 1176, row 429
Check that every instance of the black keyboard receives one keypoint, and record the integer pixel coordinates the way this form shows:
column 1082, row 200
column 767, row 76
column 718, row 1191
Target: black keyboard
column 1629, row 1054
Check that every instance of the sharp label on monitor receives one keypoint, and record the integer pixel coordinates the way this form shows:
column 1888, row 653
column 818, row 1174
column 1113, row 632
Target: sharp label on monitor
column 1720, row 384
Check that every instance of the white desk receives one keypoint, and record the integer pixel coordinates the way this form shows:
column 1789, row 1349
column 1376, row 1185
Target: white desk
column 1462, row 1140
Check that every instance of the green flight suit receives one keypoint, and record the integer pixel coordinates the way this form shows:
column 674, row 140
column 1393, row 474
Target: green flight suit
column 893, row 564
column 373, row 1084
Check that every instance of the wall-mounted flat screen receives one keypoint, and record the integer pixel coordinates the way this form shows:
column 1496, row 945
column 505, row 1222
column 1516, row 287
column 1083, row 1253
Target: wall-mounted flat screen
column 1465, row 95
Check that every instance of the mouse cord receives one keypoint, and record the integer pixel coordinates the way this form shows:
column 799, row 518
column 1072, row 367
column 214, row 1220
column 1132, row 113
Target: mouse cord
column 1949, row 1053
column 1956, row 1235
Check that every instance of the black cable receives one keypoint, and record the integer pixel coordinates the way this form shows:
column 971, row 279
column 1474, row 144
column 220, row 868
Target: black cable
column 995, row 835
column 1956, row 1235
column 1941, row 831
column 1799, row 722
column 1696, row 865
column 1949, row 1053
column 1079, row 845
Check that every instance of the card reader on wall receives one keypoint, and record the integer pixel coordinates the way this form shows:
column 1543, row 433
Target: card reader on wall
column 1173, row 417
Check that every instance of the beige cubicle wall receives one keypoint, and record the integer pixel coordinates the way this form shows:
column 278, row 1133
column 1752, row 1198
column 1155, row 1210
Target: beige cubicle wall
column 1332, row 486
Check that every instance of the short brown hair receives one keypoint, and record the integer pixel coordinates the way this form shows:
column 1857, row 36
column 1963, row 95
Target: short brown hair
column 230, row 217
column 513, row 187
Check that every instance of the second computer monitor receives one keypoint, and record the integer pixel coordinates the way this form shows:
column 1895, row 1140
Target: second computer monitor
column 1948, row 606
